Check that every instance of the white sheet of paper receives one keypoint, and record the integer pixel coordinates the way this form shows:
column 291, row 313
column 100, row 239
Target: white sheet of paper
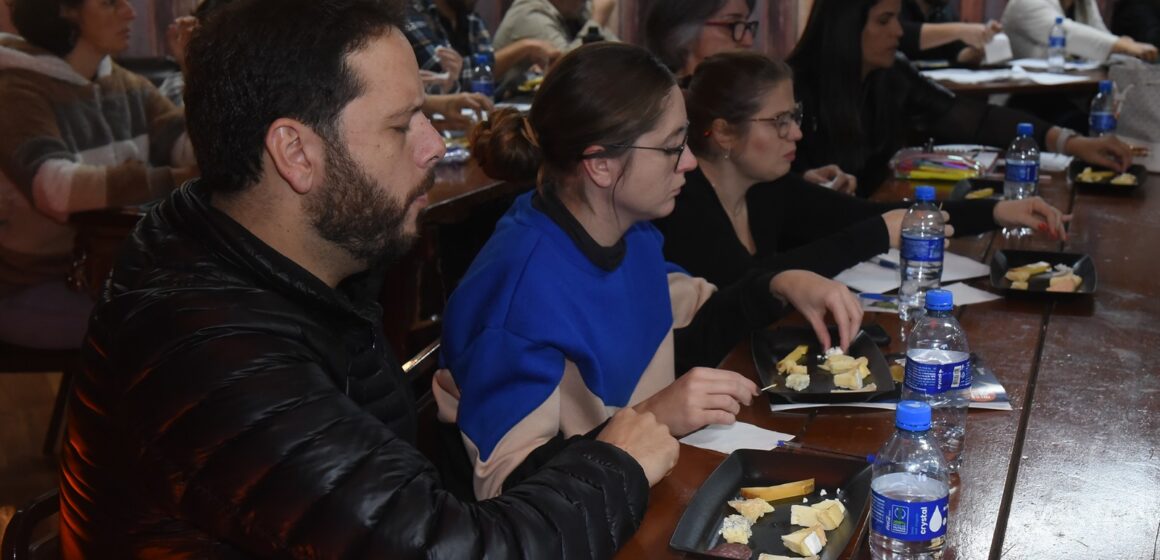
column 967, row 295
column 739, row 435
column 1041, row 64
column 998, row 49
column 965, row 76
column 1049, row 79
column 870, row 277
column 1054, row 162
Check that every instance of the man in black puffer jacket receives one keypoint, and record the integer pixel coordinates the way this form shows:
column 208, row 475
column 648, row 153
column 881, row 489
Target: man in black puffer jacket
column 238, row 398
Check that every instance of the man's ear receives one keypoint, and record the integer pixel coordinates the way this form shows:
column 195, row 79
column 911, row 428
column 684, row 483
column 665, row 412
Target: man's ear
column 603, row 171
column 297, row 152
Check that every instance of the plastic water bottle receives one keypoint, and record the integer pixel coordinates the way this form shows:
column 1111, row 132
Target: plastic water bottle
column 1103, row 116
column 482, row 80
column 921, row 256
column 1022, row 161
column 909, row 491
column 938, row 372
column 1056, row 46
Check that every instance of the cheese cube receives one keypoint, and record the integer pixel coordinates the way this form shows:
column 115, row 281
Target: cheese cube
column 848, row 380
column 807, row 542
column 804, row 516
column 797, row 381
column 830, row 513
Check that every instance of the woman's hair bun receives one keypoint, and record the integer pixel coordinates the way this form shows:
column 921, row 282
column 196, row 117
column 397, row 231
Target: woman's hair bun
column 506, row 147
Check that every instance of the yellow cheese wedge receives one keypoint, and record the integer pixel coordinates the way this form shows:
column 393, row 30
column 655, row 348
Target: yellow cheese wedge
column 752, row 509
column 764, row 556
column 1022, row 273
column 807, row 542
column 804, row 516
column 798, row 369
column 848, row 380
column 780, row 491
column 1124, row 179
column 1018, row 285
column 830, row 513
column 1068, row 283
column 791, row 358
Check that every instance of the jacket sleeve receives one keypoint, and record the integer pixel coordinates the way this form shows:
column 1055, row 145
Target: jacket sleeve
column 37, row 159
column 256, row 444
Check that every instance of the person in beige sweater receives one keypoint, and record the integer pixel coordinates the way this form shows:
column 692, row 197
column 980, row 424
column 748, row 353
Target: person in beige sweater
column 563, row 23
column 79, row 133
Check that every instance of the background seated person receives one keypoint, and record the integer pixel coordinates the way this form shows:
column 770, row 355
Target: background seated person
column 863, row 100
column 1138, row 19
column 1028, row 22
column 562, row 23
column 239, row 398
column 931, row 30
column 742, row 211
column 79, row 133
column 570, row 311
column 437, row 26
column 682, row 33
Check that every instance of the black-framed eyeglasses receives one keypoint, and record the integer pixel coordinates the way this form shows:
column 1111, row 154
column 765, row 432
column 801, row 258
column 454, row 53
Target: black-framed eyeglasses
column 782, row 121
column 738, row 28
column 669, row 151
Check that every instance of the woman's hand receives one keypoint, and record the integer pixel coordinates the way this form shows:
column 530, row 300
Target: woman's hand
column 451, row 106
column 977, row 35
column 452, row 63
column 813, row 295
column 893, row 221
column 701, row 397
column 1034, row 213
column 1107, row 151
column 832, row 176
column 1127, row 45
column 177, row 37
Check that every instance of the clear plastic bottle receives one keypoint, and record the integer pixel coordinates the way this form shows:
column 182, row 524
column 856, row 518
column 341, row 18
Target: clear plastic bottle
column 909, row 491
column 1022, row 161
column 921, row 254
column 1056, row 46
column 938, row 372
column 482, row 80
column 1102, row 120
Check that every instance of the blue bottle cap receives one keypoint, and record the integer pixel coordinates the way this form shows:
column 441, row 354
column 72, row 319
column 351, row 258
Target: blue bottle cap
column 1025, row 129
column 924, row 193
column 940, row 300
column 481, row 59
column 1058, row 20
column 912, row 416
column 1105, row 86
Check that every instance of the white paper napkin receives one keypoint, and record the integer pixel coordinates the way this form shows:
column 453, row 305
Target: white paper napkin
column 870, row 277
column 998, row 49
column 739, row 435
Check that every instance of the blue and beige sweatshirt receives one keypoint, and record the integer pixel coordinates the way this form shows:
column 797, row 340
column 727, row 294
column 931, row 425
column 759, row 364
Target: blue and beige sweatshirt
column 69, row 144
column 539, row 340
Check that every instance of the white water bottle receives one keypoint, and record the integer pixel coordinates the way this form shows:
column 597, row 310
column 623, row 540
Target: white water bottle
column 909, row 491
column 938, row 372
column 1102, row 120
column 921, row 254
column 1056, row 46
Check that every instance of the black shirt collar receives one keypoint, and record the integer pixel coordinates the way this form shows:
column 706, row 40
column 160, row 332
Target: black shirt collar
column 607, row 258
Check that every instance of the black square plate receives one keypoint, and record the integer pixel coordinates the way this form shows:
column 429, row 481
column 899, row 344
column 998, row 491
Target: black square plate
column 771, row 346
column 1005, row 260
column 847, row 480
column 1078, row 166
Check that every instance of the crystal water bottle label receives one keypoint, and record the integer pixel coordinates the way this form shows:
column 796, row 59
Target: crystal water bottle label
column 922, row 249
column 908, row 521
column 934, row 378
column 1022, row 171
column 1058, row 41
column 1102, row 122
column 486, row 87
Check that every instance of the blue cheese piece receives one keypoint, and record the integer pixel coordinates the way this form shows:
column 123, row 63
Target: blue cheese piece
column 737, row 529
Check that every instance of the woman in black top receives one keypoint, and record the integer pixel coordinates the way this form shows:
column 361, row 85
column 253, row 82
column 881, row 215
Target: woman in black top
column 864, row 101
column 743, row 210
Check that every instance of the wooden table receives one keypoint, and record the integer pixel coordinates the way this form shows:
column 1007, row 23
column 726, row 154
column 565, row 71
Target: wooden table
column 1072, row 471
column 1089, row 86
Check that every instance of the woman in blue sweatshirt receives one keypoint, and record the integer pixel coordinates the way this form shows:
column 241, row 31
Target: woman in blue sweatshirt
column 570, row 311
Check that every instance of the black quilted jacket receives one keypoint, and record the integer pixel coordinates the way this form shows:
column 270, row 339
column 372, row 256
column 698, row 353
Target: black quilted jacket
column 232, row 405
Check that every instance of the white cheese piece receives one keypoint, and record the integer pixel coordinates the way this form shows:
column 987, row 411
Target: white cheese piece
column 736, row 529
column 797, row 381
column 807, row 541
column 803, row 516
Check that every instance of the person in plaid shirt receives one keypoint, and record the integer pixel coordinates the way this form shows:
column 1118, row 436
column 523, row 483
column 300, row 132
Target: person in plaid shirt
column 447, row 33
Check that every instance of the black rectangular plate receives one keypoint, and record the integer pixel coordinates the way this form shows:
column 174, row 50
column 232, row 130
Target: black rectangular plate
column 698, row 531
column 771, row 346
column 1005, row 260
column 1077, row 167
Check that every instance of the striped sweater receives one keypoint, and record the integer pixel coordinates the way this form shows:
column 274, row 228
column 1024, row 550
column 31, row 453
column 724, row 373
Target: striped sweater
column 68, row 144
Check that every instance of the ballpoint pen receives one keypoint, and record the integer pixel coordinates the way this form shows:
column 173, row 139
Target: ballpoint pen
column 878, row 297
column 884, row 263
